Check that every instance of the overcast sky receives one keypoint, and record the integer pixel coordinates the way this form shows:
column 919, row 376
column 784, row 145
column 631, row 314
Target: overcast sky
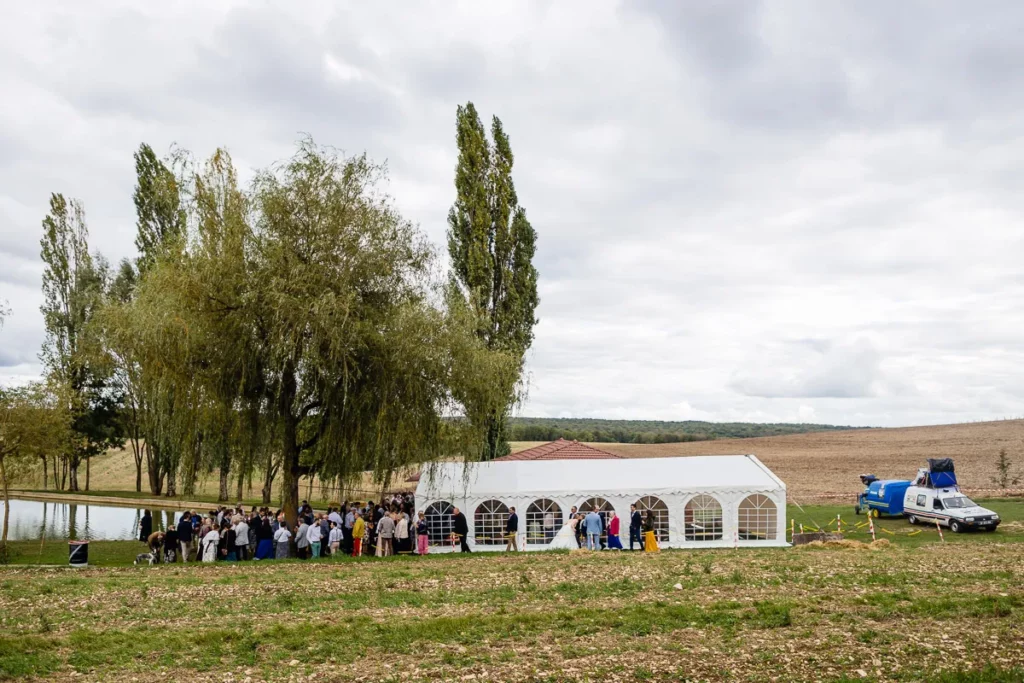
column 788, row 211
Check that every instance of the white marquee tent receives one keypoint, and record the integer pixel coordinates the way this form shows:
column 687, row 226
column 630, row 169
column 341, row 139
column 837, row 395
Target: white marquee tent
column 700, row 501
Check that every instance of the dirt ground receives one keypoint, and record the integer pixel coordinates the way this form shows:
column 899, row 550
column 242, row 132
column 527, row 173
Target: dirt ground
column 824, row 466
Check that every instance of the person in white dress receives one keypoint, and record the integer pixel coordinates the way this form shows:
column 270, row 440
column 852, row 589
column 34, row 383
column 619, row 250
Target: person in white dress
column 565, row 539
column 210, row 542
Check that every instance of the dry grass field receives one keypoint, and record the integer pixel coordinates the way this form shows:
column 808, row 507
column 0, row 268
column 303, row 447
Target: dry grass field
column 824, row 466
column 818, row 614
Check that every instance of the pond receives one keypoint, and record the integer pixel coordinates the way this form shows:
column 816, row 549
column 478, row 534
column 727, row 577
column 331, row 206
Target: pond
column 33, row 519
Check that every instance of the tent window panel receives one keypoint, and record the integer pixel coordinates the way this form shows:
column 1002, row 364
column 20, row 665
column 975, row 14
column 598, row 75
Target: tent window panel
column 543, row 521
column 439, row 522
column 758, row 518
column 604, row 509
column 489, row 522
column 702, row 519
column 660, row 510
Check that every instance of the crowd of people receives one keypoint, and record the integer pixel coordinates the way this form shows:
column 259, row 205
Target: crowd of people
column 231, row 534
column 390, row 527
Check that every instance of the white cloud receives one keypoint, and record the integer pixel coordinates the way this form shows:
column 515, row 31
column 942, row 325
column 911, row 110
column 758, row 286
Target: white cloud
column 709, row 183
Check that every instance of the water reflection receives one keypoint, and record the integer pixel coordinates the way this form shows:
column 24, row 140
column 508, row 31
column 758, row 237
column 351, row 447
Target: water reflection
column 31, row 519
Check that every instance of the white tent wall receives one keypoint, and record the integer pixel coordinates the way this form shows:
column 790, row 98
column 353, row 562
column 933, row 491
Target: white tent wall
column 729, row 480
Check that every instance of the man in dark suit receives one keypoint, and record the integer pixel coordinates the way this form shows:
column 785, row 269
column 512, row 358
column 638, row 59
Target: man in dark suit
column 635, row 522
column 512, row 531
column 460, row 527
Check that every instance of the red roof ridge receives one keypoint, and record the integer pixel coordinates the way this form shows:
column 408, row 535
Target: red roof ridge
column 560, row 449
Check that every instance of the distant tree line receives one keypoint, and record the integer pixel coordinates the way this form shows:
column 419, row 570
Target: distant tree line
column 648, row 431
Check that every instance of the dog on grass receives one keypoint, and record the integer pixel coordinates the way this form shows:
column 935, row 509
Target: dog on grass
column 146, row 558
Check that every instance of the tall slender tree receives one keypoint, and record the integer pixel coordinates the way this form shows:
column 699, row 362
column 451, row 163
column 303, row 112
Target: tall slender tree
column 73, row 288
column 491, row 245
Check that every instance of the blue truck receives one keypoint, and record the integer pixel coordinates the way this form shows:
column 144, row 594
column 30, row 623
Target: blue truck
column 881, row 496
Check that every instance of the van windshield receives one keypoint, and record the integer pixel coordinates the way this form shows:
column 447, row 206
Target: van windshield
column 958, row 502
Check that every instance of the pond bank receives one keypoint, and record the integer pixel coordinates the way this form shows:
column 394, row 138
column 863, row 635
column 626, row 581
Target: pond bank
column 86, row 499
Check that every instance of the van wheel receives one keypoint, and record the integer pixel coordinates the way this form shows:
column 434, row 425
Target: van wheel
column 955, row 527
column 874, row 513
column 912, row 519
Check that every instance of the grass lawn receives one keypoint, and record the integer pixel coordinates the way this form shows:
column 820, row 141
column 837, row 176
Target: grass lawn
column 913, row 611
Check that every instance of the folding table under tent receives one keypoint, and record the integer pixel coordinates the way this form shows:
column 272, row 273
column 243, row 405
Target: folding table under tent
column 698, row 501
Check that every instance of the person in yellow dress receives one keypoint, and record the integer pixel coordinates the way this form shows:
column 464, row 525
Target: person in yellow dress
column 650, row 540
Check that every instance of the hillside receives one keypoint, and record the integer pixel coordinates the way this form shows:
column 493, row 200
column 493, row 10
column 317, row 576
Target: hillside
column 826, row 464
column 648, row 431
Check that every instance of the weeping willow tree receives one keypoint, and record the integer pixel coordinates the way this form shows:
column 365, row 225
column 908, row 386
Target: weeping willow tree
column 305, row 311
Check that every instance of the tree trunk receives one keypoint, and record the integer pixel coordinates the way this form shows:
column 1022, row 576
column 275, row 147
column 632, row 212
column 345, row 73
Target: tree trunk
column 137, row 454
column 72, row 476
column 45, row 477
column 154, row 469
column 222, row 495
column 289, row 447
column 171, row 487
column 7, row 503
column 88, row 459
column 241, row 480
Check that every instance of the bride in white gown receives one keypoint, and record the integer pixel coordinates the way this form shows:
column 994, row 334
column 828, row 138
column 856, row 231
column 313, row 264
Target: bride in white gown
column 565, row 539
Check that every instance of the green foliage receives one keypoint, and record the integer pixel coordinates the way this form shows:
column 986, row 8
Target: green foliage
column 34, row 421
column 491, row 245
column 160, row 216
column 73, row 291
column 302, row 311
column 647, row 431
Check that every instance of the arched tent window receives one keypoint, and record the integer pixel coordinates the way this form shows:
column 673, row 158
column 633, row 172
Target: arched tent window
column 543, row 521
column 758, row 518
column 660, row 510
column 702, row 519
column 489, row 522
column 439, row 522
column 601, row 507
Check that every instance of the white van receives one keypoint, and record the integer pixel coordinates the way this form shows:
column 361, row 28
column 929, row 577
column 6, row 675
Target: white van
column 949, row 507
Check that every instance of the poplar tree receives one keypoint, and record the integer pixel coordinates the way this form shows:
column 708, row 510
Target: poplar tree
column 73, row 289
column 491, row 246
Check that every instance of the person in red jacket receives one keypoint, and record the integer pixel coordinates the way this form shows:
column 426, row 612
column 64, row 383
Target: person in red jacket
column 613, row 533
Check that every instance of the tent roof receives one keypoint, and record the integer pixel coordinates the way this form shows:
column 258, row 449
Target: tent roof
column 560, row 450
column 617, row 476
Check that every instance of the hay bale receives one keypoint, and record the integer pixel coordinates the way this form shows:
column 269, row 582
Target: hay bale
column 836, row 543
column 880, row 544
column 813, row 536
